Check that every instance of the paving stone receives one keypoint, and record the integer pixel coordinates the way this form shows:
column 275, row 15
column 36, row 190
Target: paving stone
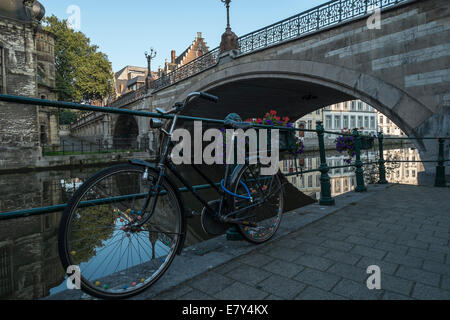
column 368, row 252
column 319, row 279
column 227, row 267
column 311, row 293
column 427, row 255
column 424, row 292
column 416, row 244
column 309, row 248
column 396, row 284
column 440, row 268
column 394, row 296
column 196, row 295
column 419, row 275
column 333, row 235
column 361, row 241
column 386, row 267
column 255, row 259
column 283, row 268
column 388, row 246
column 356, row 291
column 248, row 274
column 314, row 262
column 284, row 254
column 338, row 244
column 338, row 256
column 404, row 259
column 240, row 291
column 432, row 240
column 174, row 293
column 210, row 282
column 281, row 286
column 349, row 272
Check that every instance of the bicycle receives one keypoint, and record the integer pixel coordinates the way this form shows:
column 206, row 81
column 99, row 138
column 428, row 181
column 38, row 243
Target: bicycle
column 124, row 226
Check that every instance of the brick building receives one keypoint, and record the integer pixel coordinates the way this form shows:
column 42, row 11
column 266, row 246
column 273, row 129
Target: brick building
column 27, row 69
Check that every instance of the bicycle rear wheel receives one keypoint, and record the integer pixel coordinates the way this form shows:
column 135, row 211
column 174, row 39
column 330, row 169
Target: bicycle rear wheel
column 97, row 233
column 265, row 218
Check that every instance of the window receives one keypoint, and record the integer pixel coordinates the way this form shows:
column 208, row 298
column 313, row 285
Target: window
column 353, row 107
column 318, row 112
column 328, row 122
column 353, row 122
column 372, row 123
column 318, row 180
column 310, row 124
column 346, row 122
column 381, row 119
column 366, row 122
column 310, row 181
column 337, row 122
column 413, row 173
column 360, row 106
column 360, row 122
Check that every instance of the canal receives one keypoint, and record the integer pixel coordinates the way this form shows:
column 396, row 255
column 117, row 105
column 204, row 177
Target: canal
column 29, row 263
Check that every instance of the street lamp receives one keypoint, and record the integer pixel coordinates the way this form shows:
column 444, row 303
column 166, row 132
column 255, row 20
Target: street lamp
column 227, row 4
column 149, row 57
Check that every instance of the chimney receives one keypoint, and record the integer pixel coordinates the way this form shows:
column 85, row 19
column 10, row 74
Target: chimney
column 173, row 56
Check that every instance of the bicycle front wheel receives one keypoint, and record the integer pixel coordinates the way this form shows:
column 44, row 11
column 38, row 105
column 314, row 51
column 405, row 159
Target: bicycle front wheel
column 266, row 190
column 98, row 232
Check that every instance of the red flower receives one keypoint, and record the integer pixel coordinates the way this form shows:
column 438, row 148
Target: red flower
column 259, row 120
column 277, row 118
column 273, row 112
column 286, row 119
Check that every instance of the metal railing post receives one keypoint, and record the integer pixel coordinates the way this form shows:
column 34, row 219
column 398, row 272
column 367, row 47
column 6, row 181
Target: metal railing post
column 381, row 161
column 325, row 185
column 360, row 186
column 440, row 169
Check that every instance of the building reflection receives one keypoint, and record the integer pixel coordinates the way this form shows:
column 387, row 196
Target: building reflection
column 343, row 180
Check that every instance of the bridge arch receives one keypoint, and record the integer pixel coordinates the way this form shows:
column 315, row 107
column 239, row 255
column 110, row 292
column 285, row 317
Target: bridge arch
column 126, row 132
column 309, row 86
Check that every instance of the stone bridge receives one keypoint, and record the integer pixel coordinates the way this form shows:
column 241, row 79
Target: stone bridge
column 324, row 56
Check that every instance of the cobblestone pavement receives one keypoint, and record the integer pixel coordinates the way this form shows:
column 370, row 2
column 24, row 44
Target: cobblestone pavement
column 403, row 229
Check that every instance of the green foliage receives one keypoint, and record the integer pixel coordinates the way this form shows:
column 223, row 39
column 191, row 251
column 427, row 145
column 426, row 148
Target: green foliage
column 83, row 73
column 67, row 117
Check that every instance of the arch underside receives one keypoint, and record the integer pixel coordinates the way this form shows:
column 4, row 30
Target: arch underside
column 295, row 88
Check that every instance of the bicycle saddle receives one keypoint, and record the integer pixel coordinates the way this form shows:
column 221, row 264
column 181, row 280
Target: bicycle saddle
column 234, row 121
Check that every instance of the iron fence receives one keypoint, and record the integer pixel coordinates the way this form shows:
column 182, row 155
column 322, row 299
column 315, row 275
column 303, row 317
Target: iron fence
column 325, row 199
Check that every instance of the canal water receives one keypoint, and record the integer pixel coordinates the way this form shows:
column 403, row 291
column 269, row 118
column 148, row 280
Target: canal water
column 29, row 263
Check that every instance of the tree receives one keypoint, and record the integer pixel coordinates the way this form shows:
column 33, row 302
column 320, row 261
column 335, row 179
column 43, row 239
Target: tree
column 83, row 73
column 67, row 117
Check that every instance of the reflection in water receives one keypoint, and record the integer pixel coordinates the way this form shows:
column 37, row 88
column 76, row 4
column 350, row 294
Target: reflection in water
column 29, row 260
column 343, row 180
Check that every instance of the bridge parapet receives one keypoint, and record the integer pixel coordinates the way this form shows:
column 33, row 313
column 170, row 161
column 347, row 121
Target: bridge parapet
column 317, row 19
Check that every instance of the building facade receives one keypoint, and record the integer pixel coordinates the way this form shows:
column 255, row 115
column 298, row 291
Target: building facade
column 350, row 115
column 27, row 69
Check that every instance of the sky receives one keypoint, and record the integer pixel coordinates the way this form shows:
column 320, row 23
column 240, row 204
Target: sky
column 124, row 30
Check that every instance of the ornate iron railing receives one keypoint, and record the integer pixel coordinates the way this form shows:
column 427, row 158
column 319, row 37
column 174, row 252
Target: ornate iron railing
column 313, row 20
column 192, row 68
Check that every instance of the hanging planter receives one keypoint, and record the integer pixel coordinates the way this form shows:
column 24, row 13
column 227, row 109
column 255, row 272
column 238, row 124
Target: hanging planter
column 347, row 143
column 289, row 142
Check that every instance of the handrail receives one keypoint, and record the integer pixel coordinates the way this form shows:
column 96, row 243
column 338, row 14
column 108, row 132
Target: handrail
column 326, row 198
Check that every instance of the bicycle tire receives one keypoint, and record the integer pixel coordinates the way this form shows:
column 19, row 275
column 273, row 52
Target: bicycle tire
column 110, row 216
column 268, row 216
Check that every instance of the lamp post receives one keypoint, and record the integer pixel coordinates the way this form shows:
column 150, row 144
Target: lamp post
column 149, row 57
column 227, row 4
column 229, row 39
